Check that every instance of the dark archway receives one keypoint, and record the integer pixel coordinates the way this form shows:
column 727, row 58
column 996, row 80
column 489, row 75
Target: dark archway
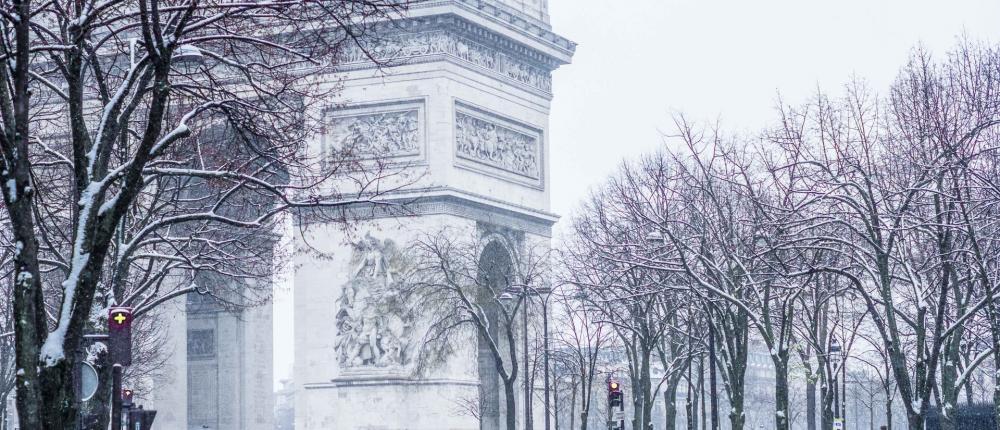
column 496, row 269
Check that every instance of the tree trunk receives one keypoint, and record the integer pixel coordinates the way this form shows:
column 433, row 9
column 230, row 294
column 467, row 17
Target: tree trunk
column 572, row 404
column 915, row 421
column 994, row 316
column 511, row 412
column 949, row 376
column 57, row 390
column 810, row 404
column 736, row 417
column 104, row 390
column 670, row 402
column 647, row 396
column 703, row 417
column 642, row 400
column 692, row 400
column 714, row 391
column 888, row 413
column 781, row 391
column 29, row 307
column 827, row 395
column 586, row 398
column 871, row 411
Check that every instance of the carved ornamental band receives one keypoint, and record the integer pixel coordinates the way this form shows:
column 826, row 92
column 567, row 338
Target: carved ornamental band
column 500, row 146
column 412, row 46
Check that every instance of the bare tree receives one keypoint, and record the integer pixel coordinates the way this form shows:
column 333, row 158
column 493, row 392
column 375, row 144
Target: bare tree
column 580, row 341
column 879, row 173
column 468, row 283
column 123, row 78
column 638, row 303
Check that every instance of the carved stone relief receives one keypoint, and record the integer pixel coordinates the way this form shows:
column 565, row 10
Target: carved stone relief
column 497, row 145
column 411, row 45
column 374, row 324
column 527, row 74
column 376, row 134
column 201, row 343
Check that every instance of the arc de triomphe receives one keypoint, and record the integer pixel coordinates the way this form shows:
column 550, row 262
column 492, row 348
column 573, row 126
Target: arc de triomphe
column 469, row 76
column 466, row 98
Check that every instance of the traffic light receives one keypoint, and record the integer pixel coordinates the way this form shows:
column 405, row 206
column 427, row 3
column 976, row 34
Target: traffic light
column 120, row 335
column 615, row 397
column 616, row 406
column 127, row 395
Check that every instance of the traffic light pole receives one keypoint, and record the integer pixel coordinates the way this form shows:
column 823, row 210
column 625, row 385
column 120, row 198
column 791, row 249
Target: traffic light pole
column 616, row 400
column 621, row 423
column 116, row 397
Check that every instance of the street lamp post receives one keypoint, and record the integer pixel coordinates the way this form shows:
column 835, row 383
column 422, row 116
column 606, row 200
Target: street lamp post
column 545, row 353
column 528, row 424
column 507, row 294
column 834, row 354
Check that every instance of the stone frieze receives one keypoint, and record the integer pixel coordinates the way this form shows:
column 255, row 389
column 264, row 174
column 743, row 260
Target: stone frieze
column 411, row 46
column 377, row 134
column 493, row 143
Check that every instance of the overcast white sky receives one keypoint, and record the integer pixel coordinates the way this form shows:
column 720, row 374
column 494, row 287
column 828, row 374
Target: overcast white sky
column 638, row 61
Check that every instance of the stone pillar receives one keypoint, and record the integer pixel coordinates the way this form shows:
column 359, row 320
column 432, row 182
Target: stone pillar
column 465, row 93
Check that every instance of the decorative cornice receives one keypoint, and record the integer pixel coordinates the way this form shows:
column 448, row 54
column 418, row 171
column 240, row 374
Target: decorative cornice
column 537, row 29
column 443, row 201
column 445, row 35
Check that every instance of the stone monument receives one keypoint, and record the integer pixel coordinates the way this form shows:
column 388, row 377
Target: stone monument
column 462, row 96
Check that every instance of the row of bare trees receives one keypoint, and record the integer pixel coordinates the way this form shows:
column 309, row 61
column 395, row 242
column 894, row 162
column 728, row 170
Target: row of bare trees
column 858, row 227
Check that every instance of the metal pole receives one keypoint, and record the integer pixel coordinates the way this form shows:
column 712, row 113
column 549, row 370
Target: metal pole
column 555, row 402
column 621, row 407
column 527, row 380
column 545, row 356
column 116, row 397
column 836, row 393
column 843, row 402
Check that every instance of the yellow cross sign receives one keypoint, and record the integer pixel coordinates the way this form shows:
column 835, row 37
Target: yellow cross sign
column 120, row 318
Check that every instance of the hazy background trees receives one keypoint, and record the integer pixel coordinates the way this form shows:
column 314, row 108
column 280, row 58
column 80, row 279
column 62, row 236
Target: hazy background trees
column 853, row 241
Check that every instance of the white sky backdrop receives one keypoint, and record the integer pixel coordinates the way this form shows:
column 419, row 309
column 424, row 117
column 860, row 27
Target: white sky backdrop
column 639, row 61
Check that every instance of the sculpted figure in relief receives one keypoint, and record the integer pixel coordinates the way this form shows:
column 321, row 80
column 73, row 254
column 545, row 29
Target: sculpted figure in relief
column 377, row 134
column 496, row 145
column 373, row 324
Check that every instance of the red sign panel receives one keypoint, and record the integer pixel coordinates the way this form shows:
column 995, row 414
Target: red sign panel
column 120, row 335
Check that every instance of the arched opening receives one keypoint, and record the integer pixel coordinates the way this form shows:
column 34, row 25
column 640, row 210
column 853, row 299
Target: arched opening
column 496, row 269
